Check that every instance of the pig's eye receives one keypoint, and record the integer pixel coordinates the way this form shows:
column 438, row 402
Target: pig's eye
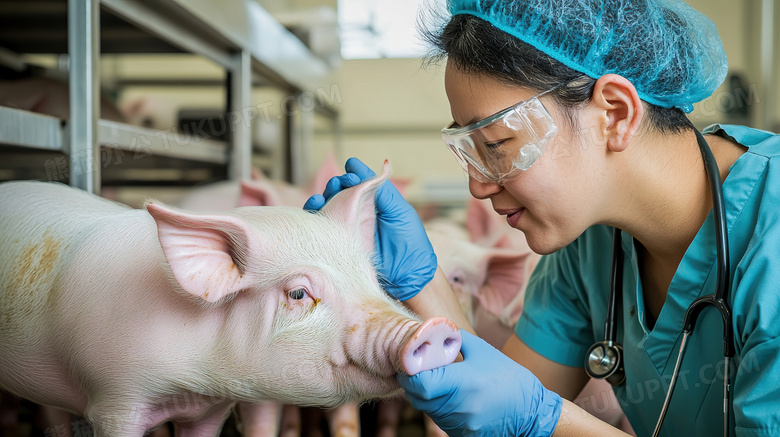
column 298, row 293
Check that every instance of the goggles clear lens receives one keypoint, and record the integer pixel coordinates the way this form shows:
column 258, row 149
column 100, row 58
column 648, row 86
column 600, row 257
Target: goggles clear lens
column 497, row 148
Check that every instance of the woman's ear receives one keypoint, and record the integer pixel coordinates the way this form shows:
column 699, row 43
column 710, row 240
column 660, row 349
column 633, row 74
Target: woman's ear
column 624, row 111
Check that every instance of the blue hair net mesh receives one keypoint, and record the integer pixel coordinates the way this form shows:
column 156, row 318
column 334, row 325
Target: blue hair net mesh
column 668, row 50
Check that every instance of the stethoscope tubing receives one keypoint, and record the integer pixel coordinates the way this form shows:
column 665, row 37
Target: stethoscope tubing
column 717, row 299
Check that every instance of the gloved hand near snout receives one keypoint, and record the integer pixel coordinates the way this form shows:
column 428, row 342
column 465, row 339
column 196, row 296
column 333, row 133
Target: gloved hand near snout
column 406, row 261
column 486, row 394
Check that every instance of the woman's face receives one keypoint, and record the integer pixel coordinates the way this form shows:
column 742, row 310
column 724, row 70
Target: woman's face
column 555, row 200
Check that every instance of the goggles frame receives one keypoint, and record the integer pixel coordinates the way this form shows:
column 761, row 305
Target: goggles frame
column 527, row 154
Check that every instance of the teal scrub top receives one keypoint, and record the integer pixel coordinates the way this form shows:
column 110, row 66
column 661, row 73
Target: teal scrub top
column 566, row 301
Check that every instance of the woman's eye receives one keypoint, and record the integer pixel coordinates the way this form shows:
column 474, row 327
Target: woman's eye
column 494, row 144
column 297, row 294
column 457, row 279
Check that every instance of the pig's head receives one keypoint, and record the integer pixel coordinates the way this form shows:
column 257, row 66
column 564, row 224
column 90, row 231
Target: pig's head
column 489, row 229
column 487, row 279
column 299, row 314
column 258, row 192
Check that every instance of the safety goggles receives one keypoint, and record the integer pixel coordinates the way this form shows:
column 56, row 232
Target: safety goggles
column 497, row 148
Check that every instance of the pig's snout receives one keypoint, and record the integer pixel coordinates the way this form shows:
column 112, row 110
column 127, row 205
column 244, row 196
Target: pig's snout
column 434, row 344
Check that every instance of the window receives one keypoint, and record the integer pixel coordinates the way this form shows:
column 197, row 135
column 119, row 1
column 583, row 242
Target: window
column 372, row 29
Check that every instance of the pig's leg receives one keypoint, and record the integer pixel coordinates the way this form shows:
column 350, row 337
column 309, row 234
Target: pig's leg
column 260, row 420
column 208, row 426
column 108, row 422
column 344, row 421
column 387, row 416
column 9, row 412
column 291, row 421
column 56, row 419
column 109, row 417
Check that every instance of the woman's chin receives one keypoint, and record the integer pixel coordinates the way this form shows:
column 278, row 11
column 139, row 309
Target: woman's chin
column 545, row 244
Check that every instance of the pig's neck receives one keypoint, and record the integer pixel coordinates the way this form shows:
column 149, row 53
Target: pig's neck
column 238, row 347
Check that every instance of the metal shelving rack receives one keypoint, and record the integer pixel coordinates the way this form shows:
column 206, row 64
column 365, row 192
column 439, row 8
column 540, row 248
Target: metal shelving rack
column 238, row 35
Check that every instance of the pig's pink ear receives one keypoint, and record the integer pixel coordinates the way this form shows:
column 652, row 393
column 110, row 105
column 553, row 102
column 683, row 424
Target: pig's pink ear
column 481, row 221
column 258, row 192
column 355, row 207
column 257, row 175
column 504, row 281
column 207, row 254
column 504, row 241
column 401, row 184
column 327, row 170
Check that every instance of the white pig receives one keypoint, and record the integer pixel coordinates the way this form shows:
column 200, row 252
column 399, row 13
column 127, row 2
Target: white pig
column 259, row 191
column 132, row 318
column 48, row 96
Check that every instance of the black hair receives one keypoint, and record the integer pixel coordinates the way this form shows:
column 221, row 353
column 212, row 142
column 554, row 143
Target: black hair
column 476, row 46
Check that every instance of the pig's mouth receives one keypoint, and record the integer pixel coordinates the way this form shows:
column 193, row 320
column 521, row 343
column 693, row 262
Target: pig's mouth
column 358, row 383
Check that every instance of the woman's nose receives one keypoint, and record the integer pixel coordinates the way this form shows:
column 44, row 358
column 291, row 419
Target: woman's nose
column 483, row 190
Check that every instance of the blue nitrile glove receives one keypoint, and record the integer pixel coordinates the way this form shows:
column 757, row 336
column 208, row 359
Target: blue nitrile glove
column 405, row 258
column 486, row 394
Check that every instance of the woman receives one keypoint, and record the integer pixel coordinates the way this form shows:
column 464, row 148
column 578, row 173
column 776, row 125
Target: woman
column 599, row 141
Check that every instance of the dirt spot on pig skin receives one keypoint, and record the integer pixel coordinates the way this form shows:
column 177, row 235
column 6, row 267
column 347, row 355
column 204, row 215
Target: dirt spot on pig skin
column 32, row 271
column 313, row 306
column 35, row 262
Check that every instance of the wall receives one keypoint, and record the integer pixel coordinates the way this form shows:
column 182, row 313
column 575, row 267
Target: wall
column 394, row 109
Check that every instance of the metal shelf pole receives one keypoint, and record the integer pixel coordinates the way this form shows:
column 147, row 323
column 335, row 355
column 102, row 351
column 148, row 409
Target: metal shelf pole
column 306, row 144
column 84, row 58
column 241, row 115
column 768, row 62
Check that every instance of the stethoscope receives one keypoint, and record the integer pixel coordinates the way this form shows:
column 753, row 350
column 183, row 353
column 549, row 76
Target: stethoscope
column 605, row 358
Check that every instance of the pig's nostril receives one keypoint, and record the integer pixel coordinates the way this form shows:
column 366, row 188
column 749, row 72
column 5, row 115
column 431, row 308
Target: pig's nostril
column 420, row 350
column 435, row 343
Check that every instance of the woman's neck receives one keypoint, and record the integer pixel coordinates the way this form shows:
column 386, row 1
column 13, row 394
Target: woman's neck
column 668, row 197
column 668, row 201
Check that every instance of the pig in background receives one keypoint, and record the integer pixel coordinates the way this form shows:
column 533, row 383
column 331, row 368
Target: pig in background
column 115, row 314
column 49, row 96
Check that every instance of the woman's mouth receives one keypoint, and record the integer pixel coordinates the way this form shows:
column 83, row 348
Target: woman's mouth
column 512, row 215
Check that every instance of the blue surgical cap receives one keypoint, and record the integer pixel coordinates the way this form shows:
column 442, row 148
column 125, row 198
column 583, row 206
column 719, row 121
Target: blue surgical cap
column 668, row 50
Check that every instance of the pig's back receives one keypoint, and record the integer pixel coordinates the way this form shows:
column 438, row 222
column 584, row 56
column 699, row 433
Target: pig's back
column 40, row 223
column 218, row 196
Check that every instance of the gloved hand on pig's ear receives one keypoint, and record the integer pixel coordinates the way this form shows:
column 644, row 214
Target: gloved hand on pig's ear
column 406, row 261
column 487, row 393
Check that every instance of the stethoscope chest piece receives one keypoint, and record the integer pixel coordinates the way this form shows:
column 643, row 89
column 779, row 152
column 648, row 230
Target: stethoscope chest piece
column 605, row 361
